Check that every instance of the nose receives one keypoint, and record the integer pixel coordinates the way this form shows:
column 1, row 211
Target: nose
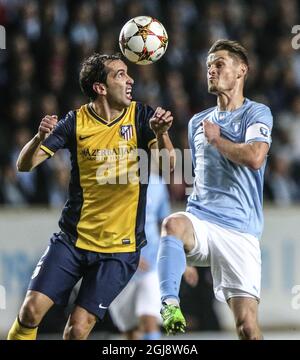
column 211, row 71
column 130, row 80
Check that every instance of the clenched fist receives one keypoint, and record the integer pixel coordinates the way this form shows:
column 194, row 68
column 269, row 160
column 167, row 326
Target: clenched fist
column 46, row 127
column 161, row 121
column 211, row 131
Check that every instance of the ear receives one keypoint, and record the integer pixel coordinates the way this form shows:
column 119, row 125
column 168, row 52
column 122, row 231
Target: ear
column 242, row 70
column 99, row 88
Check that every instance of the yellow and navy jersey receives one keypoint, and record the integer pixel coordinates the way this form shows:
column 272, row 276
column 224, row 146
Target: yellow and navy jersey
column 105, row 212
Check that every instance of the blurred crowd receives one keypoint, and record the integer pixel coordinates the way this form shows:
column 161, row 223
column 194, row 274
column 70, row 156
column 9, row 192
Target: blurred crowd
column 48, row 40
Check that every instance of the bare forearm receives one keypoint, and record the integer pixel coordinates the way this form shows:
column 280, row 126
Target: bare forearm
column 27, row 157
column 251, row 155
column 164, row 143
column 241, row 154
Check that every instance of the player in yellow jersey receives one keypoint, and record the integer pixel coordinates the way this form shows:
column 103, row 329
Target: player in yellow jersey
column 102, row 223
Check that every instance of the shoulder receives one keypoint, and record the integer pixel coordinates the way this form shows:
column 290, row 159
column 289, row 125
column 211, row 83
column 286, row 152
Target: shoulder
column 258, row 112
column 69, row 121
column 70, row 117
column 143, row 110
column 85, row 109
column 256, row 107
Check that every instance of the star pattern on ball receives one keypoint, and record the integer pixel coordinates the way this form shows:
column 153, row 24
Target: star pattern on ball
column 143, row 40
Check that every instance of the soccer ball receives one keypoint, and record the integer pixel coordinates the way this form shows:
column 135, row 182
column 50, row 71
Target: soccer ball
column 143, row 40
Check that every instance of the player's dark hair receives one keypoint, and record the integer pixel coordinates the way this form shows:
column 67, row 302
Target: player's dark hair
column 233, row 47
column 94, row 70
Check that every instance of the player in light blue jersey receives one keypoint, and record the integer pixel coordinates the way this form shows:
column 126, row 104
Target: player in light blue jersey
column 223, row 220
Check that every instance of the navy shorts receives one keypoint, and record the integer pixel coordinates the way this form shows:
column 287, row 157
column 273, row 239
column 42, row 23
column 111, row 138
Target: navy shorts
column 103, row 275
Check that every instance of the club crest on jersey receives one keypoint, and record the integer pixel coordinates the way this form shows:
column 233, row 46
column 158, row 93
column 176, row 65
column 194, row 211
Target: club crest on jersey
column 236, row 125
column 126, row 132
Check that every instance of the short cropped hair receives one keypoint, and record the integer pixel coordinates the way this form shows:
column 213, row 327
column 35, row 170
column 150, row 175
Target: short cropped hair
column 93, row 70
column 233, row 47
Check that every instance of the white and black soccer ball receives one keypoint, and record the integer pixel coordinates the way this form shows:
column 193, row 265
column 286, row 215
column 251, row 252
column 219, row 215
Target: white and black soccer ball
column 143, row 40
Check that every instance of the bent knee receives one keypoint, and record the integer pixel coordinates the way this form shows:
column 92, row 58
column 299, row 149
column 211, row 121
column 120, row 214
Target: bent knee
column 174, row 225
column 181, row 227
column 79, row 325
column 29, row 314
column 76, row 331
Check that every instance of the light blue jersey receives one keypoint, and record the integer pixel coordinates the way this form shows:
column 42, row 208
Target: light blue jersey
column 224, row 192
column 157, row 208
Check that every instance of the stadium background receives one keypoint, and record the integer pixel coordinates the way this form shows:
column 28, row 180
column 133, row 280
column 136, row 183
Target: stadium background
column 46, row 43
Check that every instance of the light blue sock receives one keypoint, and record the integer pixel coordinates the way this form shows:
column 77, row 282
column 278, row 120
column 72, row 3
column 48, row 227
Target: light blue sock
column 171, row 266
column 154, row 335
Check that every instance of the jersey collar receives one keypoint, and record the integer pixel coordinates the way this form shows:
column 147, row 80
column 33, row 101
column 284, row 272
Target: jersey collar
column 103, row 121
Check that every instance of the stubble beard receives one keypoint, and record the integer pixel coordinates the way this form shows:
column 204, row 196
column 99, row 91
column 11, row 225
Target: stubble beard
column 212, row 89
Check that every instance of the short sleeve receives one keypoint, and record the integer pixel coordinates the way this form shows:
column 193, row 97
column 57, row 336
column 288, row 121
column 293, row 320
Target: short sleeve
column 146, row 134
column 61, row 136
column 259, row 124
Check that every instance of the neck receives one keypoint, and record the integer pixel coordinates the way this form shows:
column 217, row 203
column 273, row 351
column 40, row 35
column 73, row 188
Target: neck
column 105, row 111
column 230, row 101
